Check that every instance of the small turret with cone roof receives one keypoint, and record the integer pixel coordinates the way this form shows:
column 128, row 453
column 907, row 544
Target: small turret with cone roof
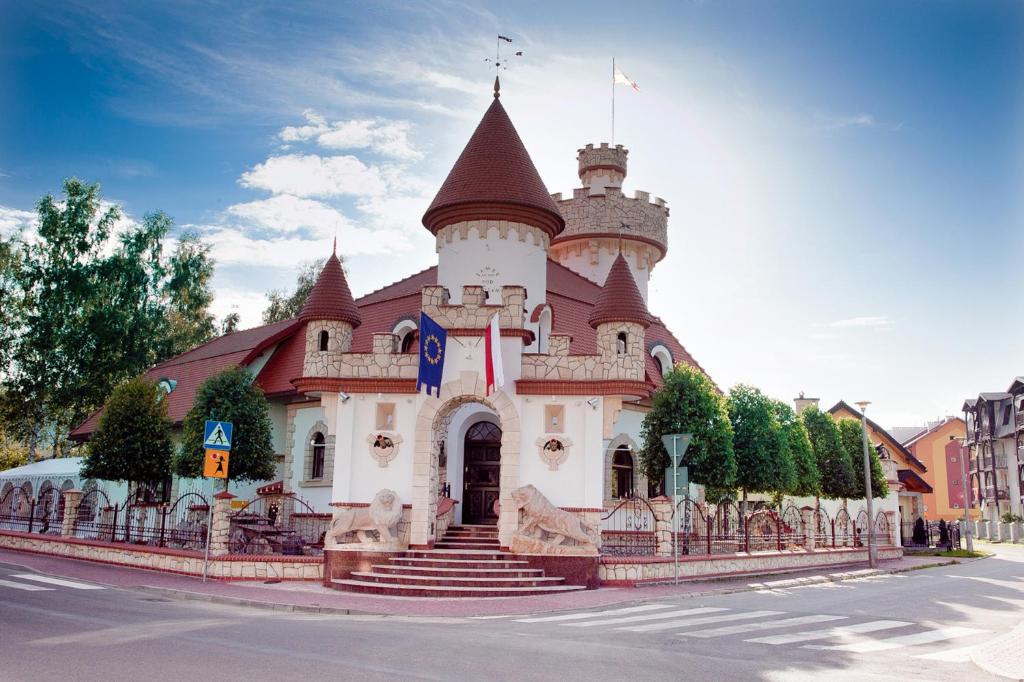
column 330, row 315
column 620, row 315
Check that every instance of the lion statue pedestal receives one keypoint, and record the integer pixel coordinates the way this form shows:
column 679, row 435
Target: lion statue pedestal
column 381, row 519
column 546, row 527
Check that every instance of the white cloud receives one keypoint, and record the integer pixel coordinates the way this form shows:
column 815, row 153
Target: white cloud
column 380, row 135
column 861, row 120
column 871, row 321
column 309, row 175
column 285, row 214
column 234, row 246
column 13, row 220
column 248, row 304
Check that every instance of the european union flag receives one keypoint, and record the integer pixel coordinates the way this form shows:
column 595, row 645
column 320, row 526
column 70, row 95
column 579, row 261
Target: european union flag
column 433, row 339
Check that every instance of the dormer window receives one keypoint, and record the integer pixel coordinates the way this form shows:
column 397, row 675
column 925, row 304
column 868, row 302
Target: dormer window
column 324, row 338
column 622, row 343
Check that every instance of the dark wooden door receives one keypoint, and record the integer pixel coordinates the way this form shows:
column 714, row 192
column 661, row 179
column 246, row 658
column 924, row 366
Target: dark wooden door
column 482, row 474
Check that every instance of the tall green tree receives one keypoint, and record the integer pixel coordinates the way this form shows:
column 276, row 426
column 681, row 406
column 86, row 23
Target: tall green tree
column 804, row 482
column 689, row 403
column 284, row 306
column 230, row 396
column 133, row 439
column 834, row 466
column 763, row 463
column 96, row 305
column 852, row 434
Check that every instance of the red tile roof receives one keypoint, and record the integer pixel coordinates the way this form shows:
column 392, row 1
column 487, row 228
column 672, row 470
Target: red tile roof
column 190, row 369
column 620, row 299
column 494, row 179
column 331, row 298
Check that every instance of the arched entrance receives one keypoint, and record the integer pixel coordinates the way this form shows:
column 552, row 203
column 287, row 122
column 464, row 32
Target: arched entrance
column 481, row 473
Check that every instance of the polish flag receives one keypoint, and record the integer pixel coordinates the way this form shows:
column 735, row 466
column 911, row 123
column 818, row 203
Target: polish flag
column 492, row 356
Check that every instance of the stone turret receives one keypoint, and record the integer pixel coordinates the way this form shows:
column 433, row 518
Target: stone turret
column 601, row 222
column 621, row 318
column 330, row 315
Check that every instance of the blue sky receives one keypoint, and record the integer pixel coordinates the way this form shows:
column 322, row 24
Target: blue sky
column 844, row 178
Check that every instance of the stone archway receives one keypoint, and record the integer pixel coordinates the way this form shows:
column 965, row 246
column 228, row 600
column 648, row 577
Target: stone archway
column 639, row 481
column 431, row 428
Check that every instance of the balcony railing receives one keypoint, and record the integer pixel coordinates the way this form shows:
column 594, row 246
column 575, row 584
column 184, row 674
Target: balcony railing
column 1000, row 462
column 992, row 493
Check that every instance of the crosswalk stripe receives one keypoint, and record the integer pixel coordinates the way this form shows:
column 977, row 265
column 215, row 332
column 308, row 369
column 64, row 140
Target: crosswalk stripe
column 56, row 581
column 643, row 617
column 810, row 635
column 763, row 625
column 591, row 614
column 926, row 637
column 687, row 622
column 23, row 586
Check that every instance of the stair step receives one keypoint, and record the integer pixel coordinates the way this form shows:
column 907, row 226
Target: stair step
column 469, row 554
column 458, row 563
column 450, row 591
column 467, row 545
column 443, row 571
column 469, row 538
column 454, row 581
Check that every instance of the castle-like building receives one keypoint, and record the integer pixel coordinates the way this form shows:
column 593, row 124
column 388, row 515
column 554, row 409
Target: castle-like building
column 582, row 354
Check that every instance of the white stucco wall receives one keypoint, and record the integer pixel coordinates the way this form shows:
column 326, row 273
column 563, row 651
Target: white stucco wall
column 318, row 497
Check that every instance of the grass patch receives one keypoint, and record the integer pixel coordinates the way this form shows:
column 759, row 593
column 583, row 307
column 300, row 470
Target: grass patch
column 962, row 554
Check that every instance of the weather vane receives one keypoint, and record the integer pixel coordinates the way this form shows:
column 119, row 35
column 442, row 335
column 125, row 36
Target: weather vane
column 498, row 63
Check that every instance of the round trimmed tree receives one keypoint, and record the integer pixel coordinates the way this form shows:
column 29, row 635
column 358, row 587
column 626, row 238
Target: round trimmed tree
column 852, row 434
column 834, row 466
column 763, row 464
column 804, row 482
column 132, row 441
column 689, row 403
column 230, row 396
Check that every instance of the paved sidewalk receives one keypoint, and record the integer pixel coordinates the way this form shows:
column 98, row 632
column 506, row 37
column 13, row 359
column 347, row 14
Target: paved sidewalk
column 313, row 597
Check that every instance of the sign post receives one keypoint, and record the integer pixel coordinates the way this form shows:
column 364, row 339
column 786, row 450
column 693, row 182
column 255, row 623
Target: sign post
column 217, row 455
column 676, row 445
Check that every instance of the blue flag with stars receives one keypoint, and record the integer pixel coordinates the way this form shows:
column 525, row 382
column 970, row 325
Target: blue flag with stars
column 433, row 339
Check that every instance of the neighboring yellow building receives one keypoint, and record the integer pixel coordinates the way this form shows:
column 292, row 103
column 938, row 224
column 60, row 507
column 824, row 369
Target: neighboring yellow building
column 942, row 457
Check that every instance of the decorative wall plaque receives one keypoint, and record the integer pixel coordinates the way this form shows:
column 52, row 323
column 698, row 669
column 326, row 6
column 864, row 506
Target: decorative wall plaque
column 553, row 449
column 384, row 446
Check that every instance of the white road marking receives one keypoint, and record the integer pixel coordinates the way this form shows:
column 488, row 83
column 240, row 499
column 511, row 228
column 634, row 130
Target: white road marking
column 644, row 617
column 56, row 581
column 810, row 635
column 926, row 637
column 762, row 625
column 591, row 614
column 687, row 622
column 22, row 586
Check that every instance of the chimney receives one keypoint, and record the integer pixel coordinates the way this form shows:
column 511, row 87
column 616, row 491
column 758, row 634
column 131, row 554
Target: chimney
column 803, row 403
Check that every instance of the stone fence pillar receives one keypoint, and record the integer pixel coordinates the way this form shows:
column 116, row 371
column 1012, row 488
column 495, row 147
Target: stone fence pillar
column 107, row 524
column 220, row 524
column 810, row 523
column 662, row 507
column 72, row 500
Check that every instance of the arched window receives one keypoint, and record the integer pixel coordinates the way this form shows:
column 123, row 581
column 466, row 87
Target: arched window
column 662, row 358
column 622, row 473
column 409, row 342
column 319, row 444
column 622, row 344
column 324, row 338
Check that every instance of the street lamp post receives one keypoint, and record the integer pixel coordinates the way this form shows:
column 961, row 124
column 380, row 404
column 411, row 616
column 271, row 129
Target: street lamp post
column 863, row 405
column 966, row 493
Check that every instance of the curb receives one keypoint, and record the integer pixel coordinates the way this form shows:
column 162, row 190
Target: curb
column 983, row 657
column 186, row 595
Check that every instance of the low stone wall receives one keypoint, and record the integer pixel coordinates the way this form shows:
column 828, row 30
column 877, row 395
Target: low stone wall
column 227, row 567
column 633, row 571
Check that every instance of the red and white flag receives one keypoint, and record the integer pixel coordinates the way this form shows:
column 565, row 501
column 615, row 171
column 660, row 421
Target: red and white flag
column 619, row 78
column 492, row 356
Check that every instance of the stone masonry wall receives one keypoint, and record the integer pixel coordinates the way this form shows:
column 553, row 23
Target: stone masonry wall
column 588, row 213
column 318, row 363
column 609, row 364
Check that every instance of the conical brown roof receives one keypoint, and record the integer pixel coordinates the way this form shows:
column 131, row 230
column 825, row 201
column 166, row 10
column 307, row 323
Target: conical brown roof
column 494, row 179
column 620, row 299
column 331, row 298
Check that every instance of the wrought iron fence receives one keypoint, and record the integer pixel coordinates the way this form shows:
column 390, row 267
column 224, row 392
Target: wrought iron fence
column 278, row 524
column 17, row 509
column 628, row 529
column 924, row 533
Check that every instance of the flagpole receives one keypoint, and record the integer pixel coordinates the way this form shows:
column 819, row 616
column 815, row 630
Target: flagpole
column 613, row 101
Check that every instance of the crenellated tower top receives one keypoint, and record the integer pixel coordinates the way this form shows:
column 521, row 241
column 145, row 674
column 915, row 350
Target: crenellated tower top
column 601, row 221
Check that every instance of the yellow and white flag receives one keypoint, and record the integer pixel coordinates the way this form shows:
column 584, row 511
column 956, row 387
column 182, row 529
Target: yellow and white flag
column 620, row 78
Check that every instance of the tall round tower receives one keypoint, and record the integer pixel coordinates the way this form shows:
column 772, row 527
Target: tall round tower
column 599, row 216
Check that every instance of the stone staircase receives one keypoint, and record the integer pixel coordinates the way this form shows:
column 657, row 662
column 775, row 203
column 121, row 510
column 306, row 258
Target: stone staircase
column 466, row 562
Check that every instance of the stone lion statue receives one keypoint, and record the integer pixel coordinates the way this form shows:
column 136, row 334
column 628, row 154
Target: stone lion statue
column 382, row 515
column 540, row 515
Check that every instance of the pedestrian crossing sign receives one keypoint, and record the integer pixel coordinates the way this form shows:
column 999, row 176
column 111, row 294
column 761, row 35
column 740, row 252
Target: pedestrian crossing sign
column 217, row 435
column 215, row 464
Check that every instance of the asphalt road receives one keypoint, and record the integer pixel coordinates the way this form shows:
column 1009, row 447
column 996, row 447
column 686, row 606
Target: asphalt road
column 919, row 625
